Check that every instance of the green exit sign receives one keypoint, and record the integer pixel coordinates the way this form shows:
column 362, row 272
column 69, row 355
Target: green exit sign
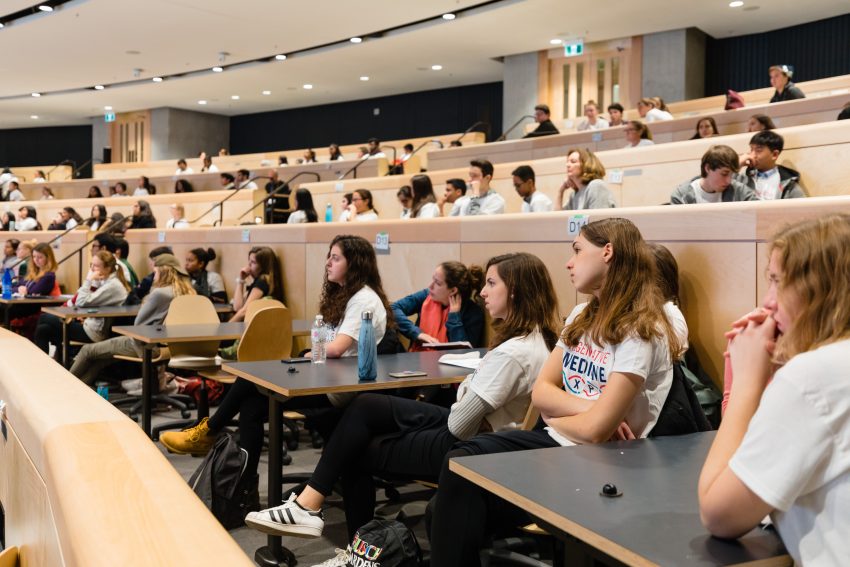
column 574, row 48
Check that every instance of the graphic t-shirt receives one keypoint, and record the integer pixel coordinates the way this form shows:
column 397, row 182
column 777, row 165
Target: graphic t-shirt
column 587, row 367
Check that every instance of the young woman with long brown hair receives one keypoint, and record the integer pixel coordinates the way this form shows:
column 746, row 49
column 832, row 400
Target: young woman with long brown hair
column 260, row 278
column 607, row 377
column 519, row 295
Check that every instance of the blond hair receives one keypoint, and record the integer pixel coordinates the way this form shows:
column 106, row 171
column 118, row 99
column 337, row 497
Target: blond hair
column 180, row 284
column 111, row 263
column 816, row 268
column 591, row 167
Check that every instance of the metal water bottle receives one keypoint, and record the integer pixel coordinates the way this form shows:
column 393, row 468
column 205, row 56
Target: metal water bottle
column 329, row 213
column 367, row 349
column 7, row 283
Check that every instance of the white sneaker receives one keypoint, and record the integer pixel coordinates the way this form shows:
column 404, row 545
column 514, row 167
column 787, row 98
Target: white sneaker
column 341, row 559
column 290, row 518
column 131, row 384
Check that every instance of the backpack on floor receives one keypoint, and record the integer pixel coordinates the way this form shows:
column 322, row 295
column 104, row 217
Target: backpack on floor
column 384, row 543
column 223, row 485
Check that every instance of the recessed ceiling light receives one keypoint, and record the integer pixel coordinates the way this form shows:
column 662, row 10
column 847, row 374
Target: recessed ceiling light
column 157, row 79
column 107, row 107
column 356, row 39
column 202, row 102
column 217, row 69
column 364, row 78
column 2, row 25
column 556, row 41
column 45, row 8
column 36, row 95
column 436, row 67
column 99, row 87
column 280, row 57
column 449, row 16
column 308, row 86
column 234, row 97
column 267, row 93
column 34, row 116
column 736, row 4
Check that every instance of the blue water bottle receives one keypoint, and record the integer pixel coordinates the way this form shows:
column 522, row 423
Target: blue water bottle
column 329, row 213
column 7, row 283
column 367, row 349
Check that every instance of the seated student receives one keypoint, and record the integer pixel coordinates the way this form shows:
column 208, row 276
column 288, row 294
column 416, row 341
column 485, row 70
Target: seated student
column 615, row 115
column 15, row 193
column 105, row 285
column 41, row 275
column 122, row 253
column 780, row 79
column 845, row 112
column 334, row 154
column 607, row 378
column 637, row 134
column 142, row 216
column 170, row 281
column 97, row 219
column 67, row 218
column 446, row 311
column 653, row 109
column 759, row 123
column 455, row 195
column 519, row 295
column 482, row 199
column 40, row 177
column 405, row 198
column 108, row 242
column 94, row 192
column 706, row 128
column 178, row 217
column 361, row 208
column 374, row 150
column 7, row 220
column 10, row 253
column 585, row 176
column 545, row 127
column 533, row 201
column 27, row 219
column 227, row 181
column 781, row 447
column 352, row 284
column 24, row 255
column 144, row 287
column 120, row 190
column 264, row 272
column 407, row 152
column 183, row 168
column 769, row 180
column 282, row 161
column 183, row 186
column 305, row 211
column 592, row 120
column 424, row 202
column 144, row 188
column 206, row 283
column 345, row 203
column 717, row 181
column 209, row 166
column 309, row 156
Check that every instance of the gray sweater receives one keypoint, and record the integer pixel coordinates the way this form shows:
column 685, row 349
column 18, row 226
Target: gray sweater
column 111, row 292
column 596, row 196
column 737, row 191
column 155, row 306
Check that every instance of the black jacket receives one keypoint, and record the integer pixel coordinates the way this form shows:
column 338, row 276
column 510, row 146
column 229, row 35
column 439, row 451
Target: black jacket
column 545, row 128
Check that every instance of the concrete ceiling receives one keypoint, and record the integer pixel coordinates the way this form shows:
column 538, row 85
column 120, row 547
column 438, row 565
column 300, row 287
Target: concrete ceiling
column 89, row 42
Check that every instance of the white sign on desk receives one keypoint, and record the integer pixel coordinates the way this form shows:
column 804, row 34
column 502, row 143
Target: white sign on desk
column 246, row 235
column 160, row 236
column 615, row 176
column 575, row 223
column 382, row 243
column 339, row 186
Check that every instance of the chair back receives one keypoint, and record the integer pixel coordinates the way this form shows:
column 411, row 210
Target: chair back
column 261, row 303
column 192, row 310
column 268, row 336
column 530, row 418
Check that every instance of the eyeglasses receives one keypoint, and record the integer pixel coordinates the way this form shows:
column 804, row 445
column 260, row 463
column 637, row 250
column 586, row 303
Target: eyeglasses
column 356, row 199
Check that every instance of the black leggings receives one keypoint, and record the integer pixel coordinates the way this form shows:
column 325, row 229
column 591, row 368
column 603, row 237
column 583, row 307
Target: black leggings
column 463, row 513
column 369, row 439
column 49, row 330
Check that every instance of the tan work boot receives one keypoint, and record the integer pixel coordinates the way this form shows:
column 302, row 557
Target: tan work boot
column 196, row 441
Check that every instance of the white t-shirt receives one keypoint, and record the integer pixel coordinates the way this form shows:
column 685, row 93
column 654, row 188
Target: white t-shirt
column 703, row 196
column 28, row 223
column 16, row 195
column 367, row 216
column 343, row 216
column 186, row 171
column 458, row 206
column 297, row 217
column 248, row 185
column 491, row 203
column 641, row 143
column 139, row 192
column 213, row 168
column 796, row 455
column 71, row 224
column 601, row 124
column 539, row 203
column 505, row 378
column 429, row 211
column 215, row 282
column 405, row 214
column 767, row 185
column 657, row 115
column 364, row 300
column 180, row 223
column 586, row 368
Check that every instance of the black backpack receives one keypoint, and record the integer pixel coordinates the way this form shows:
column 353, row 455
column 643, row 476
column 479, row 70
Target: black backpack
column 222, row 484
column 384, row 543
column 681, row 413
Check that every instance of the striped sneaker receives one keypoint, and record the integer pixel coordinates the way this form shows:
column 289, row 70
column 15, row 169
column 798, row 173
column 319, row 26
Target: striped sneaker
column 290, row 518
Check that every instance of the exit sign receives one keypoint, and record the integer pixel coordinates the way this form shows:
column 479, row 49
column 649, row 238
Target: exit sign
column 573, row 48
column 109, row 117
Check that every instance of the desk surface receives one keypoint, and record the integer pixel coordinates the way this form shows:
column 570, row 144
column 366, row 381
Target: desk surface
column 54, row 299
column 64, row 312
column 340, row 375
column 655, row 521
column 165, row 334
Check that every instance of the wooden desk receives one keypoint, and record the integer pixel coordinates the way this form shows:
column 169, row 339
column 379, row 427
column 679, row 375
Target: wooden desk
column 47, row 300
column 335, row 376
column 68, row 314
column 655, row 521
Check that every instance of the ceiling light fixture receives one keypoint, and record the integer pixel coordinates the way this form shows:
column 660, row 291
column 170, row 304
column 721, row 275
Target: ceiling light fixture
column 364, row 78
column 356, row 40
column 436, row 67
column 36, row 95
column 266, row 93
column 99, row 87
column 449, row 16
column 736, row 4
column 2, row 25
column 34, row 116
column 157, row 79
column 308, row 86
column 556, row 41
column 234, row 97
column 107, row 107
column 202, row 102
column 45, row 8
column 280, row 57
column 217, row 69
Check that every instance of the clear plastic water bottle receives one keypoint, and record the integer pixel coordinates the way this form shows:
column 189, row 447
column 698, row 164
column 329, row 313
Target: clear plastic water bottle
column 7, row 283
column 318, row 339
column 329, row 213
column 367, row 349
